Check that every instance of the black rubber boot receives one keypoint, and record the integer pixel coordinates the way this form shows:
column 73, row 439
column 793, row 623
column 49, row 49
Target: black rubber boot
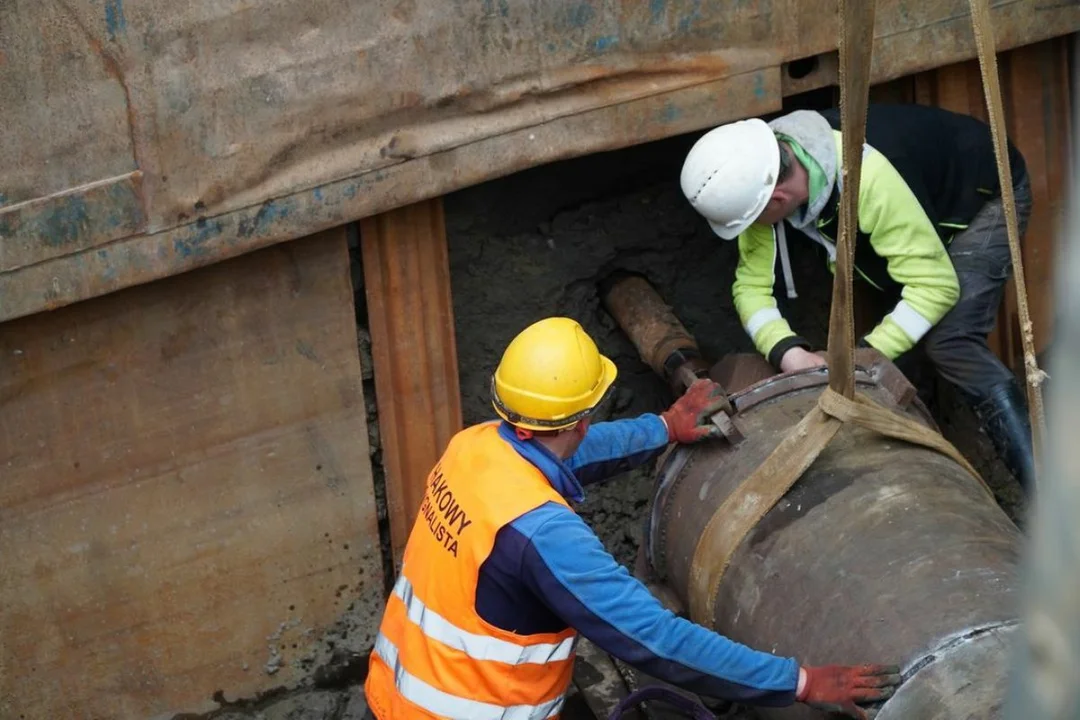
column 1003, row 415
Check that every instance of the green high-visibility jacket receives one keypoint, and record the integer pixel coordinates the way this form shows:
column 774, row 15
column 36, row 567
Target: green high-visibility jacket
column 927, row 173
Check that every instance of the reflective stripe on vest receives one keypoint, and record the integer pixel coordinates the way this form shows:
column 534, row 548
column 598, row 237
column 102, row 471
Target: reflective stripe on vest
column 478, row 647
column 438, row 702
column 436, row 656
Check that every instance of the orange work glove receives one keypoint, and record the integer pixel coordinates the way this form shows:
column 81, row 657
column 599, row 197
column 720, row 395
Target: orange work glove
column 838, row 688
column 688, row 419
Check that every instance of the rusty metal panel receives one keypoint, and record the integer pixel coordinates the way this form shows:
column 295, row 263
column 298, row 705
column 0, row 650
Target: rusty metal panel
column 140, row 259
column 414, row 351
column 910, row 37
column 1038, row 101
column 63, row 99
column 89, row 216
column 186, row 500
column 261, row 121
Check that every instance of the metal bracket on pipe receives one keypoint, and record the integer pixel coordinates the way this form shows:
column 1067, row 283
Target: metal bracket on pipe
column 685, row 376
column 725, row 423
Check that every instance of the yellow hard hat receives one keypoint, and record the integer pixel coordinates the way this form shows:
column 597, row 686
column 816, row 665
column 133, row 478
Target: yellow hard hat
column 550, row 376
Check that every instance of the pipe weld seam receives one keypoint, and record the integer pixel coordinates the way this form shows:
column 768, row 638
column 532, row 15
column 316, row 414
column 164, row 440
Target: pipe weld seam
column 950, row 644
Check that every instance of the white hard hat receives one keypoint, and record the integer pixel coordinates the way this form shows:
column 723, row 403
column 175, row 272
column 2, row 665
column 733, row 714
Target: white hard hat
column 730, row 173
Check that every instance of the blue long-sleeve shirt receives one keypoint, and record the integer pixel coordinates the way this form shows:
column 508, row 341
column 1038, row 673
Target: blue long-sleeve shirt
column 548, row 571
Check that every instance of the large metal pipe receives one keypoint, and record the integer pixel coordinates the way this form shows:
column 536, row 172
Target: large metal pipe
column 881, row 552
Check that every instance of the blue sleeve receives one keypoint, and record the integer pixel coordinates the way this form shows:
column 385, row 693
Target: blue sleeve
column 566, row 566
column 610, row 448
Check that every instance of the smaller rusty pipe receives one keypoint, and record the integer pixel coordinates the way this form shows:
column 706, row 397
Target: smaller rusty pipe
column 660, row 339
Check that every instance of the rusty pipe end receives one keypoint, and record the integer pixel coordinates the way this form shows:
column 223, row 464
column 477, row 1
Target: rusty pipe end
column 663, row 343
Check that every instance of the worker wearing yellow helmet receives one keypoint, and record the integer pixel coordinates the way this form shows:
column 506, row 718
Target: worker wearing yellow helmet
column 500, row 575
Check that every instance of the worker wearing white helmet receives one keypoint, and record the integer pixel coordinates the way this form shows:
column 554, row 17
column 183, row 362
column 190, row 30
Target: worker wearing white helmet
column 932, row 238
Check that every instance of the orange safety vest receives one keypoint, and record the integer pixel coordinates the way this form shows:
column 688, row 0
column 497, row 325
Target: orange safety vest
column 435, row 657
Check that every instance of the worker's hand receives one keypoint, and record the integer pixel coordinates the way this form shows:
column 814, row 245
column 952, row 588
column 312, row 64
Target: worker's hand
column 688, row 419
column 798, row 358
column 840, row 688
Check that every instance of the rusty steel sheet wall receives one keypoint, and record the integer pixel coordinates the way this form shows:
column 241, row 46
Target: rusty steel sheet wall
column 144, row 138
column 186, row 502
column 414, row 351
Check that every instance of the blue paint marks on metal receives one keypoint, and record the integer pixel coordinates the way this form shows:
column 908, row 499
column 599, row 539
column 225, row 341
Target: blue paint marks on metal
column 580, row 15
column 63, row 221
column 350, row 190
column 605, row 43
column 115, row 22
column 77, row 220
column 695, row 14
column 759, row 85
column 489, row 8
column 550, row 47
column 317, row 193
column 197, row 243
column 504, row 7
column 3, row 199
column 270, row 212
column 120, row 199
column 656, row 10
column 670, row 112
column 305, row 350
column 108, row 272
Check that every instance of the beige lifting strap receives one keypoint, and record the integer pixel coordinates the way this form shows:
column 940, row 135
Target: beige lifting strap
column 839, row 403
column 984, row 41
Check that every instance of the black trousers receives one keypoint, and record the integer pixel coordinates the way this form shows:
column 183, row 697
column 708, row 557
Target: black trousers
column 956, row 346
